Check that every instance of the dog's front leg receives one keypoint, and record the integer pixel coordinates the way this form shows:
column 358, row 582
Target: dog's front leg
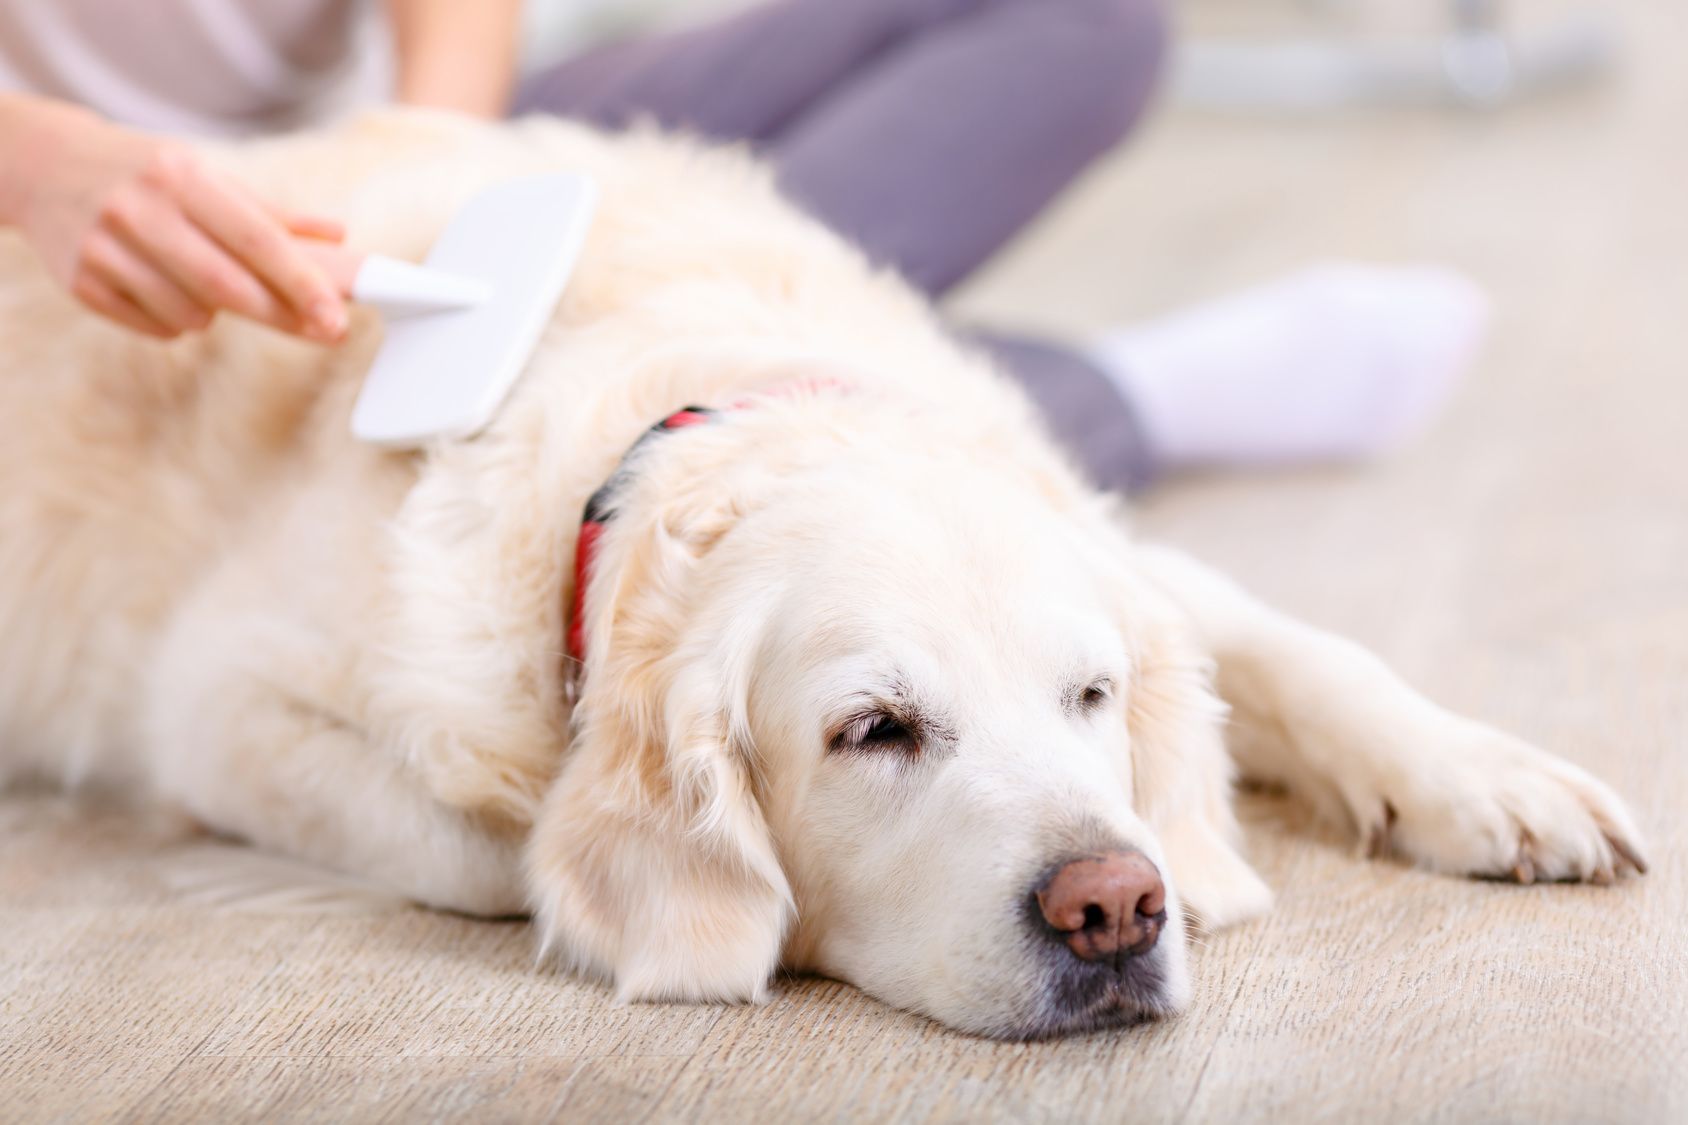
column 263, row 746
column 1325, row 716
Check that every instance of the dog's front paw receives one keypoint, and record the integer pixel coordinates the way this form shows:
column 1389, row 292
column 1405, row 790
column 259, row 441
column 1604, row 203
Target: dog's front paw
column 1486, row 804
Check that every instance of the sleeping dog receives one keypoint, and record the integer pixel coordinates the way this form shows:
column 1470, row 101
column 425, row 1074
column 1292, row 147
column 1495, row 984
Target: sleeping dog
column 845, row 670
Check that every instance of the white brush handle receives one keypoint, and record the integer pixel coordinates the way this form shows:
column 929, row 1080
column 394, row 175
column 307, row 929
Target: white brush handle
column 400, row 288
column 442, row 377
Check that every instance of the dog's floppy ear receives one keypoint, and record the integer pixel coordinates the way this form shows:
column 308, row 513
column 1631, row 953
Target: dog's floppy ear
column 651, row 863
column 1181, row 771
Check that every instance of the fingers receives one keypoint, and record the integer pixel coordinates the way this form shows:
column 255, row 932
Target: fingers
column 154, row 292
column 174, row 243
column 262, row 245
column 99, row 295
column 200, row 266
column 308, row 226
column 341, row 265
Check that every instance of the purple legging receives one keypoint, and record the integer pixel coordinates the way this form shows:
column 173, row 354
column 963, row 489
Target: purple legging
column 928, row 131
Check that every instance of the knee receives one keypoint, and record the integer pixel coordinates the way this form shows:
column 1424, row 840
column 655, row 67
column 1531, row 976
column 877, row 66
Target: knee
column 1141, row 31
column 1126, row 47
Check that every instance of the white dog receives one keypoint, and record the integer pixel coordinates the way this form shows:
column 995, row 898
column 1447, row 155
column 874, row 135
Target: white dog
column 872, row 684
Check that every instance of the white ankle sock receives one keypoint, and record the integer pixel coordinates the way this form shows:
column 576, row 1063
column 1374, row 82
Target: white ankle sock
column 1336, row 362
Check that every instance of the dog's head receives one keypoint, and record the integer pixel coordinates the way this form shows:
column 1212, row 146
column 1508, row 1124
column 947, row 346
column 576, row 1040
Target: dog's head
column 894, row 718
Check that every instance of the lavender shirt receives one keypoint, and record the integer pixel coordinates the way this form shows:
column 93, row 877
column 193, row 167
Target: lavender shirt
column 203, row 67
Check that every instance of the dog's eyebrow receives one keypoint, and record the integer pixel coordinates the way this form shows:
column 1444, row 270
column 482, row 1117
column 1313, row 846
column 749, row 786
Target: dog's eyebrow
column 899, row 688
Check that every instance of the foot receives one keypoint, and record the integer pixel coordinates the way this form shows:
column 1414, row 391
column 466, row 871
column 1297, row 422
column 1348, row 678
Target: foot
column 1486, row 804
column 1337, row 362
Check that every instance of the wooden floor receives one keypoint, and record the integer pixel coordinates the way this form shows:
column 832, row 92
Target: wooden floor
column 1528, row 563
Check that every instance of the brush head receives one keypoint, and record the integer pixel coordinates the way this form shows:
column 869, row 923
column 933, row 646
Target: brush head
column 442, row 374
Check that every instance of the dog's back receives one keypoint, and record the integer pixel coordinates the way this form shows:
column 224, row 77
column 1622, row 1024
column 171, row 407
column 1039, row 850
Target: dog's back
column 133, row 474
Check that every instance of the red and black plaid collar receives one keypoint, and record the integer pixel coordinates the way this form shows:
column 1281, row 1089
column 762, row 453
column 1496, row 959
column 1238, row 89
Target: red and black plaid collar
column 600, row 508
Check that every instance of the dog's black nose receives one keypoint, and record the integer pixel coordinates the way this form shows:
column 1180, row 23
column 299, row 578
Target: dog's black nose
column 1105, row 906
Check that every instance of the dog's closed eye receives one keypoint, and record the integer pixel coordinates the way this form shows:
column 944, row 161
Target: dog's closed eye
column 1092, row 696
column 875, row 732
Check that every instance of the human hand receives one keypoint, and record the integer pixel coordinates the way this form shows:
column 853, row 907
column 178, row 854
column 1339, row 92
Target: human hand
column 142, row 231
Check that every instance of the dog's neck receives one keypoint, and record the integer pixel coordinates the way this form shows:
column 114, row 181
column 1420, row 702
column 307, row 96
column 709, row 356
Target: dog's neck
column 602, row 505
column 601, row 508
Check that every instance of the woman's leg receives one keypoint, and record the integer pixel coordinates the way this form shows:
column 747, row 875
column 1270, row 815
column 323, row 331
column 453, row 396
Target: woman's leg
column 929, row 132
column 1082, row 407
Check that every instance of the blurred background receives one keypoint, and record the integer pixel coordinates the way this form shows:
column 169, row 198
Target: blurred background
column 1520, row 141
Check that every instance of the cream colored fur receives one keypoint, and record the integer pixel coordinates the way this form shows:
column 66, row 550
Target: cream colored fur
column 208, row 592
